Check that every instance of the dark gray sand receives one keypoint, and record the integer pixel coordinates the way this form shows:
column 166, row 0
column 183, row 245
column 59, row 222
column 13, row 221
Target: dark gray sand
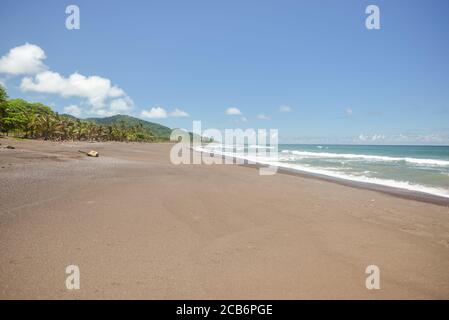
column 139, row 227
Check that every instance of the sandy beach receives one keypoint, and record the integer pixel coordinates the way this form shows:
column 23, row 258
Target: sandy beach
column 140, row 227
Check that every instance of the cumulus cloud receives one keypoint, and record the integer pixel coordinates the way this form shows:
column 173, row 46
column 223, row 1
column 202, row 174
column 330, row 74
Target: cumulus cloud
column 93, row 88
column 121, row 104
column 73, row 110
column 419, row 138
column 378, row 137
column 25, row 59
column 104, row 112
column 263, row 117
column 154, row 113
column 178, row 113
column 99, row 95
column 233, row 111
column 372, row 138
column 160, row 113
column 285, row 108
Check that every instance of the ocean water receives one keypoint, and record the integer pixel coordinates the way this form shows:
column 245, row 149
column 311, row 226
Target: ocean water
column 417, row 168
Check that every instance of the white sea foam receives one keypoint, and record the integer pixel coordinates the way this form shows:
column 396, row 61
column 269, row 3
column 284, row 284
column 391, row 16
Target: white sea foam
column 218, row 146
column 432, row 162
column 365, row 179
column 406, row 185
column 384, row 182
column 260, row 147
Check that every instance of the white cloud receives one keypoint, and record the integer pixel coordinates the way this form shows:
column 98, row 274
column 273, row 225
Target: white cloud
column 372, row 138
column 377, row 137
column 93, row 88
column 74, row 110
column 99, row 96
column 104, row 112
column 263, row 117
column 154, row 113
column 160, row 113
column 348, row 112
column 233, row 111
column 285, row 108
column 25, row 59
column 102, row 97
column 121, row 104
column 177, row 113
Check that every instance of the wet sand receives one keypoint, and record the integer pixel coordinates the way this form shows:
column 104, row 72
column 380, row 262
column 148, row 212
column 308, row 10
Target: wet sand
column 139, row 227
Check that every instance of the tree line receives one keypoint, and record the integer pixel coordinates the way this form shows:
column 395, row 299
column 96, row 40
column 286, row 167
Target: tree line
column 20, row 118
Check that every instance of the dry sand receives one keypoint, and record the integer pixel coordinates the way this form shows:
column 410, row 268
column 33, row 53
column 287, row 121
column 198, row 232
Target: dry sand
column 139, row 227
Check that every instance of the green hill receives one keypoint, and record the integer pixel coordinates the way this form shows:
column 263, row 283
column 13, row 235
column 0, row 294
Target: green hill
column 158, row 130
column 68, row 116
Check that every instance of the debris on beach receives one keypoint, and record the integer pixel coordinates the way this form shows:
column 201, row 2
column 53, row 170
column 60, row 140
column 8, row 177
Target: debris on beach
column 10, row 147
column 91, row 153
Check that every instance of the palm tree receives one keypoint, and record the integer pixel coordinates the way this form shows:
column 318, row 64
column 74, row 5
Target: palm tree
column 80, row 129
column 47, row 125
column 31, row 124
column 70, row 130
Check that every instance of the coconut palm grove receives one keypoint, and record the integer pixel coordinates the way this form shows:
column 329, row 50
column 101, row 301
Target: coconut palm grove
column 34, row 120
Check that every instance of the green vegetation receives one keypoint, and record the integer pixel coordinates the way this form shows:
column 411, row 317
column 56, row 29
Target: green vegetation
column 21, row 118
column 157, row 129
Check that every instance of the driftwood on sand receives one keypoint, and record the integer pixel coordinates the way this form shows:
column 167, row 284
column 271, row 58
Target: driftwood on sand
column 91, row 153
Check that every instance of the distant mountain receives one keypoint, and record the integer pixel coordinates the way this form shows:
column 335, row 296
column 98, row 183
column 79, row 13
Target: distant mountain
column 69, row 116
column 157, row 129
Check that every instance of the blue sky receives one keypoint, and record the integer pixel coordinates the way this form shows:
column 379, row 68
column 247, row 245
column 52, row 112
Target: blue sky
column 341, row 81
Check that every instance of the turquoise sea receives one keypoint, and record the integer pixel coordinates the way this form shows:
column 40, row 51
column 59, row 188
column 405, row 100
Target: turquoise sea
column 416, row 168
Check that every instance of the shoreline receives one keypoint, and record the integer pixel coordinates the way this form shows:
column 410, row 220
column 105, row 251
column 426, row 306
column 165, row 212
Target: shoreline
column 394, row 191
column 398, row 192
column 140, row 227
